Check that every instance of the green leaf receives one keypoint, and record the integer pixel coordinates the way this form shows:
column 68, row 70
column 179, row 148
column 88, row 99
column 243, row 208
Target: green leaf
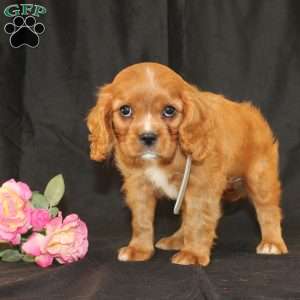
column 55, row 190
column 10, row 255
column 28, row 258
column 2, row 252
column 35, row 192
column 4, row 246
column 53, row 211
column 38, row 200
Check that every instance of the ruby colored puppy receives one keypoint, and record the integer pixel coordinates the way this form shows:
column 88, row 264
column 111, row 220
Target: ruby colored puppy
column 152, row 119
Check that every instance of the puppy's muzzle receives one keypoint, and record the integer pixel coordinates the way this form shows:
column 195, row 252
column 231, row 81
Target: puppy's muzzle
column 148, row 138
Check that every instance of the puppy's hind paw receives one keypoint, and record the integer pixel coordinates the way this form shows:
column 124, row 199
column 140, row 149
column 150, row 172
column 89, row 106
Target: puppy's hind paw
column 188, row 258
column 170, row 243
column 131, row 253
column 271, row 248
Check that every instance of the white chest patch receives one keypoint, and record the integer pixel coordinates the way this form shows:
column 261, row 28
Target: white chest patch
column 160, row 180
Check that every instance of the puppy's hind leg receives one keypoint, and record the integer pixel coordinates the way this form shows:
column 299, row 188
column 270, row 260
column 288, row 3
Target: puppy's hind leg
column 265, row 191
column 172, row 242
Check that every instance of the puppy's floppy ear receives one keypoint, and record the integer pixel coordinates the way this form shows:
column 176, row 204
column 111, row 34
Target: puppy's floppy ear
column 100, row 126
column 196, row 129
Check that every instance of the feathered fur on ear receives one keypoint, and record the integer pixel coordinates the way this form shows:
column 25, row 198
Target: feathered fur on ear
column 196, row 129
column 99, row 125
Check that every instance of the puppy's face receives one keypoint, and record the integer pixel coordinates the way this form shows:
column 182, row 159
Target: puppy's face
column 145, row 121
column 144, row 114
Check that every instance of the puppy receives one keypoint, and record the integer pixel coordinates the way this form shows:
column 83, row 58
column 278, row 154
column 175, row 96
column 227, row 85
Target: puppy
column 152, row 120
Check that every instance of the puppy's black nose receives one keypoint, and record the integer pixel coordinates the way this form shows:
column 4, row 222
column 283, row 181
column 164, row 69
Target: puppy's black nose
column 148, row 138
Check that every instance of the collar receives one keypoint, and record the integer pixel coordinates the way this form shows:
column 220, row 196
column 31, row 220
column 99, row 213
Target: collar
column 183, row 186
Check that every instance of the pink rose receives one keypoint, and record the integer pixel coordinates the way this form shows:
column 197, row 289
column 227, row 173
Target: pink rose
column 65, row 240
column 15, row 210
column 20, row 188
column 39, row 218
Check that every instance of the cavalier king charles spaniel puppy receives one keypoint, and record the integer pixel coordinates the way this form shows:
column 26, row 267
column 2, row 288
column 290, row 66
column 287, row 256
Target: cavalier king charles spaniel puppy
column 151, row 119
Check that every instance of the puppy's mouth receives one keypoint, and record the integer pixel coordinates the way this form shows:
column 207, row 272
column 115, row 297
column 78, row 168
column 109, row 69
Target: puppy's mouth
column 149, row 155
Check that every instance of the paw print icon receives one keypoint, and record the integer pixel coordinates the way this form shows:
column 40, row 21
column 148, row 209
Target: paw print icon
column 24, row 32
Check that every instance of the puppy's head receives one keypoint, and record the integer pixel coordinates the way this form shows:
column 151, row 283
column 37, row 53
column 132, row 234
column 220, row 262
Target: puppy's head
column 148, row 112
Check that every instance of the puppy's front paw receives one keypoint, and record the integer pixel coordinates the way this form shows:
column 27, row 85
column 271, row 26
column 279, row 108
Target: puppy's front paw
column 131, row 253
column 189, row 258
column 170, row 243
column 266, row 247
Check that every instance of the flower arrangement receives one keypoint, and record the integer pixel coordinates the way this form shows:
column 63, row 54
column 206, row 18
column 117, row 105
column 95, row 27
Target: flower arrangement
column 32, row 228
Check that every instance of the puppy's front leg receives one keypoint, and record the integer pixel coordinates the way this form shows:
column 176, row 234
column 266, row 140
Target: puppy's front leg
column 200, row 217
column 141, row 201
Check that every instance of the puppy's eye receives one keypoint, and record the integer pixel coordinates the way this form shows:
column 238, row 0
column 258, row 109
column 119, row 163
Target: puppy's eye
column 169, row 111
column 126, row 111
